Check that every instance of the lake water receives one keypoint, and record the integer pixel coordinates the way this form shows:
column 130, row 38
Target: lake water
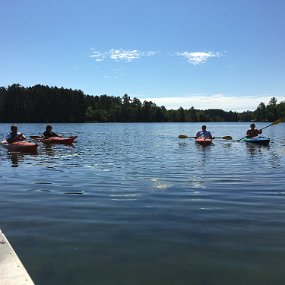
column 133, row 204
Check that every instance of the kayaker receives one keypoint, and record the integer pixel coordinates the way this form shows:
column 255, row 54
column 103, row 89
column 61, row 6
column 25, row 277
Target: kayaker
column 14, row 135
column 204, row 133
column 49, row 133
column 253, row 132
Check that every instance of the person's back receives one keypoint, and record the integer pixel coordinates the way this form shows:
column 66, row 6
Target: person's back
column 253, row 132
column 204, row 133
column 49, row 133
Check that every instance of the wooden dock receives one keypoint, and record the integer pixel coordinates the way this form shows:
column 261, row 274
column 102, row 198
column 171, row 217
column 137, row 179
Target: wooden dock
column 12, row 271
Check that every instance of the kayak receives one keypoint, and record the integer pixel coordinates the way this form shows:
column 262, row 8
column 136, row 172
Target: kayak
column 257, row 140
column 59, row 140
column 203, row 141
column 20, row 146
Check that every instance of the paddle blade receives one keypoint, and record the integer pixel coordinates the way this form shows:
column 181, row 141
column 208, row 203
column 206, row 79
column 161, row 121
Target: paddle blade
column 182, row 137
column 276, row 122
column 272, row 124
column 37, row 138
column 227, row 138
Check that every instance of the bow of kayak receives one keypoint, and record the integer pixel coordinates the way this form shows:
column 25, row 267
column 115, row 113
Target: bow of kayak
column 257, row 140
column 20, row 146
column 203, row 141
column 59, row 140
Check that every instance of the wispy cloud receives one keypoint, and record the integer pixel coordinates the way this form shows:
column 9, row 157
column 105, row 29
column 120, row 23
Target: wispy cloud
column 126, row 55
column 98, row 56
column 195, row 58
column 198, row 57
column 214, row 101
column 120, row 55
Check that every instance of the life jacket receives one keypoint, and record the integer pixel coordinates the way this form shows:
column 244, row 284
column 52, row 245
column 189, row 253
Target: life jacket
column 205, row 134
column 252, row 133
column 49, row 134
column 13, row 137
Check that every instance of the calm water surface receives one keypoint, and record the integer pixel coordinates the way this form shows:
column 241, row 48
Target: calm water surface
column 133, row 204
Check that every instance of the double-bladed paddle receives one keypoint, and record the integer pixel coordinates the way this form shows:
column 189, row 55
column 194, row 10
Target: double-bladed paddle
column 42, row 138
column 272, row 124
column 186, row 137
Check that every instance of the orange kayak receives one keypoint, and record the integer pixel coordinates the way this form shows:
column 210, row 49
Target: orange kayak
column 59, row 140
column 20, row 146
column 203, row 141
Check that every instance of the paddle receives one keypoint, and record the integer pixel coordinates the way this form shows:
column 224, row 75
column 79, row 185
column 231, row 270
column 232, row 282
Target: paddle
column 186, row 137
column 272, row 124
column 42, row 138
column 36, row 137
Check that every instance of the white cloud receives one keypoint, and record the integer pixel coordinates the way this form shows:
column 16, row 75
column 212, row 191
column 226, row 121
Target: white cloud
column 127, row 55
column 120, row 54
column 98, row 56
column 214, row 101
column 198, row 57
column 194, row 58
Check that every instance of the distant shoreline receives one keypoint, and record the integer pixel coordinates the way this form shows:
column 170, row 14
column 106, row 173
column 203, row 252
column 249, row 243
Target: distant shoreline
column 44, row 104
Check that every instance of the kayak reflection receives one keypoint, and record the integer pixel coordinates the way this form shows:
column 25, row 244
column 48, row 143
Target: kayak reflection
column 16, row 158
column 254, row 149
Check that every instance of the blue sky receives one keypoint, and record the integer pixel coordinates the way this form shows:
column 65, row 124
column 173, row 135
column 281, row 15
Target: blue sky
column 224, row 54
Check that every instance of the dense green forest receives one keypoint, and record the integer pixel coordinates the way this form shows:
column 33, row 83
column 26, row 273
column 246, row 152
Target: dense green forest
column 52, row 104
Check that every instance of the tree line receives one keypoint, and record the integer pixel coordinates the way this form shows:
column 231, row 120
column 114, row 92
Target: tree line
column 41, row 103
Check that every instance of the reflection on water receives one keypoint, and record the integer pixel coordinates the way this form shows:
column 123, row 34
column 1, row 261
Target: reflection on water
column 48, row 149
column 128, row 202
column 16, row 158
column 255, row 149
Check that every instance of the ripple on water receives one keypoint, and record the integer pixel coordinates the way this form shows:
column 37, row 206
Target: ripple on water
column 134, row 196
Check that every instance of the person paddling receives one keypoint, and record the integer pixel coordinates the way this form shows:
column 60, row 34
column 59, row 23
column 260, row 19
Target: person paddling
column 49, row 133
column 14, row 135
column 253, row 132
column 204, row 133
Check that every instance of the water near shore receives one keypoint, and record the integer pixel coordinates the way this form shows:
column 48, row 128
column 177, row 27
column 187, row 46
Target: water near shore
column 133, row 204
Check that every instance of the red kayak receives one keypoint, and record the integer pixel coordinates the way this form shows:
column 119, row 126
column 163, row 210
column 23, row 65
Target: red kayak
column 20, row 146
column 203, row 141
column 59, row 140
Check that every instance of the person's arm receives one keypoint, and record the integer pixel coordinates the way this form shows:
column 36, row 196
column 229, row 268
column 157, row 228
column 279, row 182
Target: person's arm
column 9, row 138
column 46, row 134
column 21, row 137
